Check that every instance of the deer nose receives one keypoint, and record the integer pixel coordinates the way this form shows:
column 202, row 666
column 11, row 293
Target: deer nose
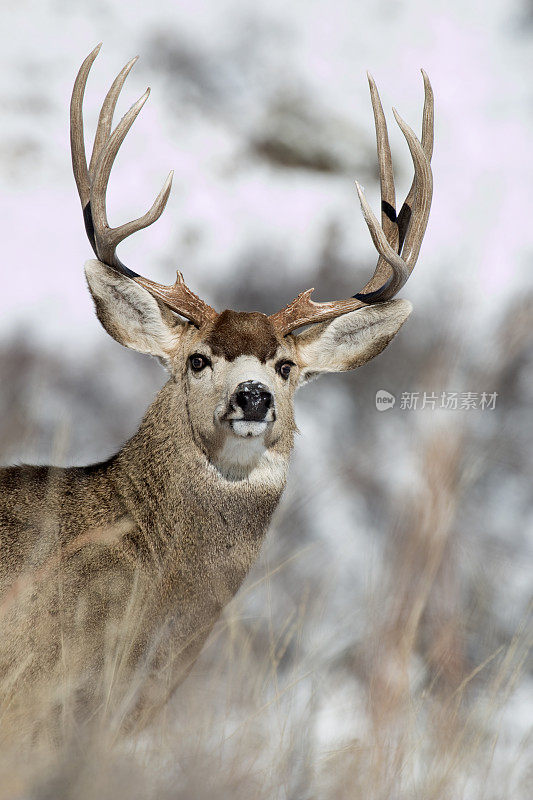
column 254, row 398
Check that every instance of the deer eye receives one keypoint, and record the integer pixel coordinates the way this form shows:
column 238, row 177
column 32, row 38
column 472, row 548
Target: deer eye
column 284, row 368
column 198, row 362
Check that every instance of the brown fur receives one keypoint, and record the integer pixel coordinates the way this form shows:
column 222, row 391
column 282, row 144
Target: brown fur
column 241, row 333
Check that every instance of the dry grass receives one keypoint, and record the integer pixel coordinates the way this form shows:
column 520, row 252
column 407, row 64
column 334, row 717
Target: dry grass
column 414, row 718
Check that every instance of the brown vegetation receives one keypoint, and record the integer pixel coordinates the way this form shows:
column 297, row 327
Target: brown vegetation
column 310, row 687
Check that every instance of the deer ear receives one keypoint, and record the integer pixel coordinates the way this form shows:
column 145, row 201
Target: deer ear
column 130, row 314
column 350, row 340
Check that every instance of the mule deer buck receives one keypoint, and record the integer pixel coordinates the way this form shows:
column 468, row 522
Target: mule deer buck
column 115, row 573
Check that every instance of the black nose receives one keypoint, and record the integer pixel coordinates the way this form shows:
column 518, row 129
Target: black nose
column 254, row 398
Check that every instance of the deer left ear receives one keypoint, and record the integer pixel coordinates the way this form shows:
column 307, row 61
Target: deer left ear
column 350, row 340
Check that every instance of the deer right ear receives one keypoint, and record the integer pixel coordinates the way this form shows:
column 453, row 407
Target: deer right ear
column 130, row 314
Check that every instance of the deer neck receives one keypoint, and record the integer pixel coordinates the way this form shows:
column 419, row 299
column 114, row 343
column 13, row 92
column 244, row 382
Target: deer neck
column 175, row 493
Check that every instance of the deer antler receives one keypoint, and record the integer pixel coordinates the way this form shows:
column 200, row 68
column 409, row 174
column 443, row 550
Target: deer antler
column 397, row 239
column 92, row 187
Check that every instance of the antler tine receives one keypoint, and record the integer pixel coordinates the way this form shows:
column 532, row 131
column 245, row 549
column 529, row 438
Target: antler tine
column 151, row 216
column 386, row 171
column 77, row 143
column 105, row 119
column 422, row 197
column 428, row 115
column 387, row 254
column 388, row 193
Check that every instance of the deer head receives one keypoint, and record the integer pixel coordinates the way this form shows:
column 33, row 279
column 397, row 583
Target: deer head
column 237, row 372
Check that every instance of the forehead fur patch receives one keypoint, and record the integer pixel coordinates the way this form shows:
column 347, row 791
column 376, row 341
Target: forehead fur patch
column 242, row 333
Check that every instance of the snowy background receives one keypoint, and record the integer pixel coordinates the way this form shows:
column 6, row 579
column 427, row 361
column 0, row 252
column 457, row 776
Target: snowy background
column 262, row 110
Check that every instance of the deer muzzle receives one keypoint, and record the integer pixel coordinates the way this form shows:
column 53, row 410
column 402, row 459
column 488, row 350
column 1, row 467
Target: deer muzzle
column 255, row 401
